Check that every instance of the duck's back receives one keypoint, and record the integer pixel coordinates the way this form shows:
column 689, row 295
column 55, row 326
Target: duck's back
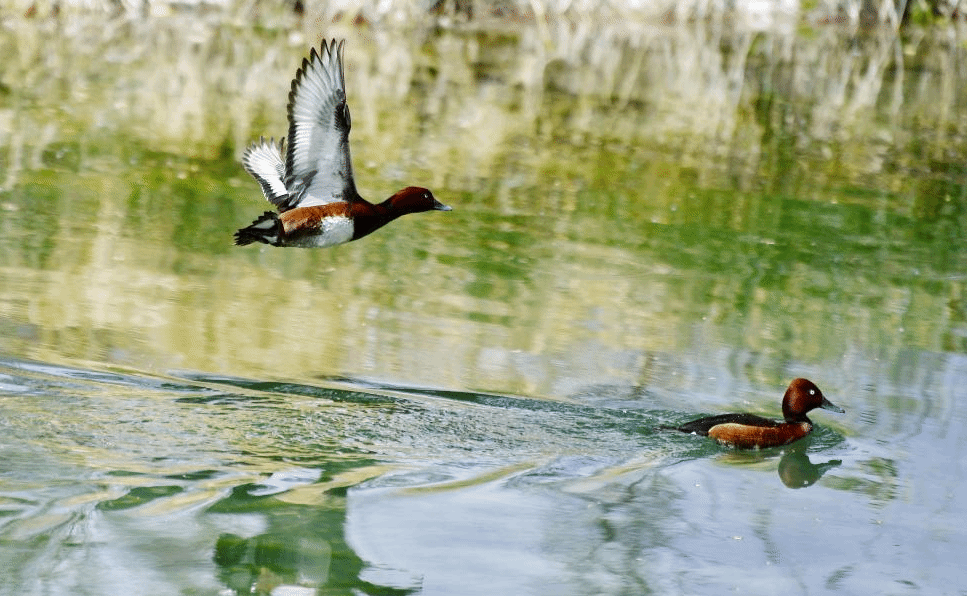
column 702, row 426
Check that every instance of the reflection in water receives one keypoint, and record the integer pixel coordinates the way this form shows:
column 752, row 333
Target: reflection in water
column 305, row 548
column 794, row 466
column 266, row 562
column 621, row 192
column 796, row 471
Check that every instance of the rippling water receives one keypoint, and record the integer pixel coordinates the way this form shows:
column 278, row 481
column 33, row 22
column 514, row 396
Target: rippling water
column 117, row 482
column 649, row 225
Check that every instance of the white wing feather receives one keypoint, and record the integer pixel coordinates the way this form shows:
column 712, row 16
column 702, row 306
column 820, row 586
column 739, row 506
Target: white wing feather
column 263, row 160
column 318, row 168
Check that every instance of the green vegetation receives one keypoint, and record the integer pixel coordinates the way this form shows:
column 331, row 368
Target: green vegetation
column 755, row 183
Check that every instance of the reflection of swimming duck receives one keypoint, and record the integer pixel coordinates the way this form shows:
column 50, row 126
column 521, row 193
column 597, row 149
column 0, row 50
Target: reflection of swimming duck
column 748, row 431
column 796, row 471
column 309, row 175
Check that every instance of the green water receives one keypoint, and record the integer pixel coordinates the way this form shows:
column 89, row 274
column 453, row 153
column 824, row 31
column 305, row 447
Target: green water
column 650, row 223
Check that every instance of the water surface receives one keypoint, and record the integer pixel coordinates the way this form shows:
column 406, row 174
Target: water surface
column 650, row 223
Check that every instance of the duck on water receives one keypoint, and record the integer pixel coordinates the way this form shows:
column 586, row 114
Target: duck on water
column 748, row 431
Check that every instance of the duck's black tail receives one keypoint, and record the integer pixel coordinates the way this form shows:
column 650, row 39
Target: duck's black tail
column 267, row 228
column 689, row 428
column 680, row 429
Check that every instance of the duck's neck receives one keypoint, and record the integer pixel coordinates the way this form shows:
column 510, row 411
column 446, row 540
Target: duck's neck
column 373, row 217
column 795, row 418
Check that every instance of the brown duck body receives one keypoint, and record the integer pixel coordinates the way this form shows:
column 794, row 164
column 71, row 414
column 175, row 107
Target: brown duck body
column 748, row 431
column 320, row 226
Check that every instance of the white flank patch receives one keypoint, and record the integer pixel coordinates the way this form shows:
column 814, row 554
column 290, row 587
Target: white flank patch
column 335, row 230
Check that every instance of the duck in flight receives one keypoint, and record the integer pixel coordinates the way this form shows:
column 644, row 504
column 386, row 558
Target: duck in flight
column 308, row 175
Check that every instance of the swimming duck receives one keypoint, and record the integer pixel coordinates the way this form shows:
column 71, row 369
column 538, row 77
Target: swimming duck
column 747, row 431
column 308, row 175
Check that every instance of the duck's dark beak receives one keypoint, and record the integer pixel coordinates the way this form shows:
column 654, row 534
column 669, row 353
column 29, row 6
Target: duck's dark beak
column 440, row 206
column 828, row 405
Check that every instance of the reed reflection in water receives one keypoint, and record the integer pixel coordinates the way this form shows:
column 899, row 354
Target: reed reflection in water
column 625, row 178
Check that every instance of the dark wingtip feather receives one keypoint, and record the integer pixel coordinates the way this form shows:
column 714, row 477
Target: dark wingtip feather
column 258, row 231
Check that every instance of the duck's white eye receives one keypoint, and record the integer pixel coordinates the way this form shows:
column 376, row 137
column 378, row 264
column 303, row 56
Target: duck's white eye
column 812, row 392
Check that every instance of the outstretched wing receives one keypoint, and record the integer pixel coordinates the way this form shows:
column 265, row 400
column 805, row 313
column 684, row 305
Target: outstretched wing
column 263, row 160
column 318, row 169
